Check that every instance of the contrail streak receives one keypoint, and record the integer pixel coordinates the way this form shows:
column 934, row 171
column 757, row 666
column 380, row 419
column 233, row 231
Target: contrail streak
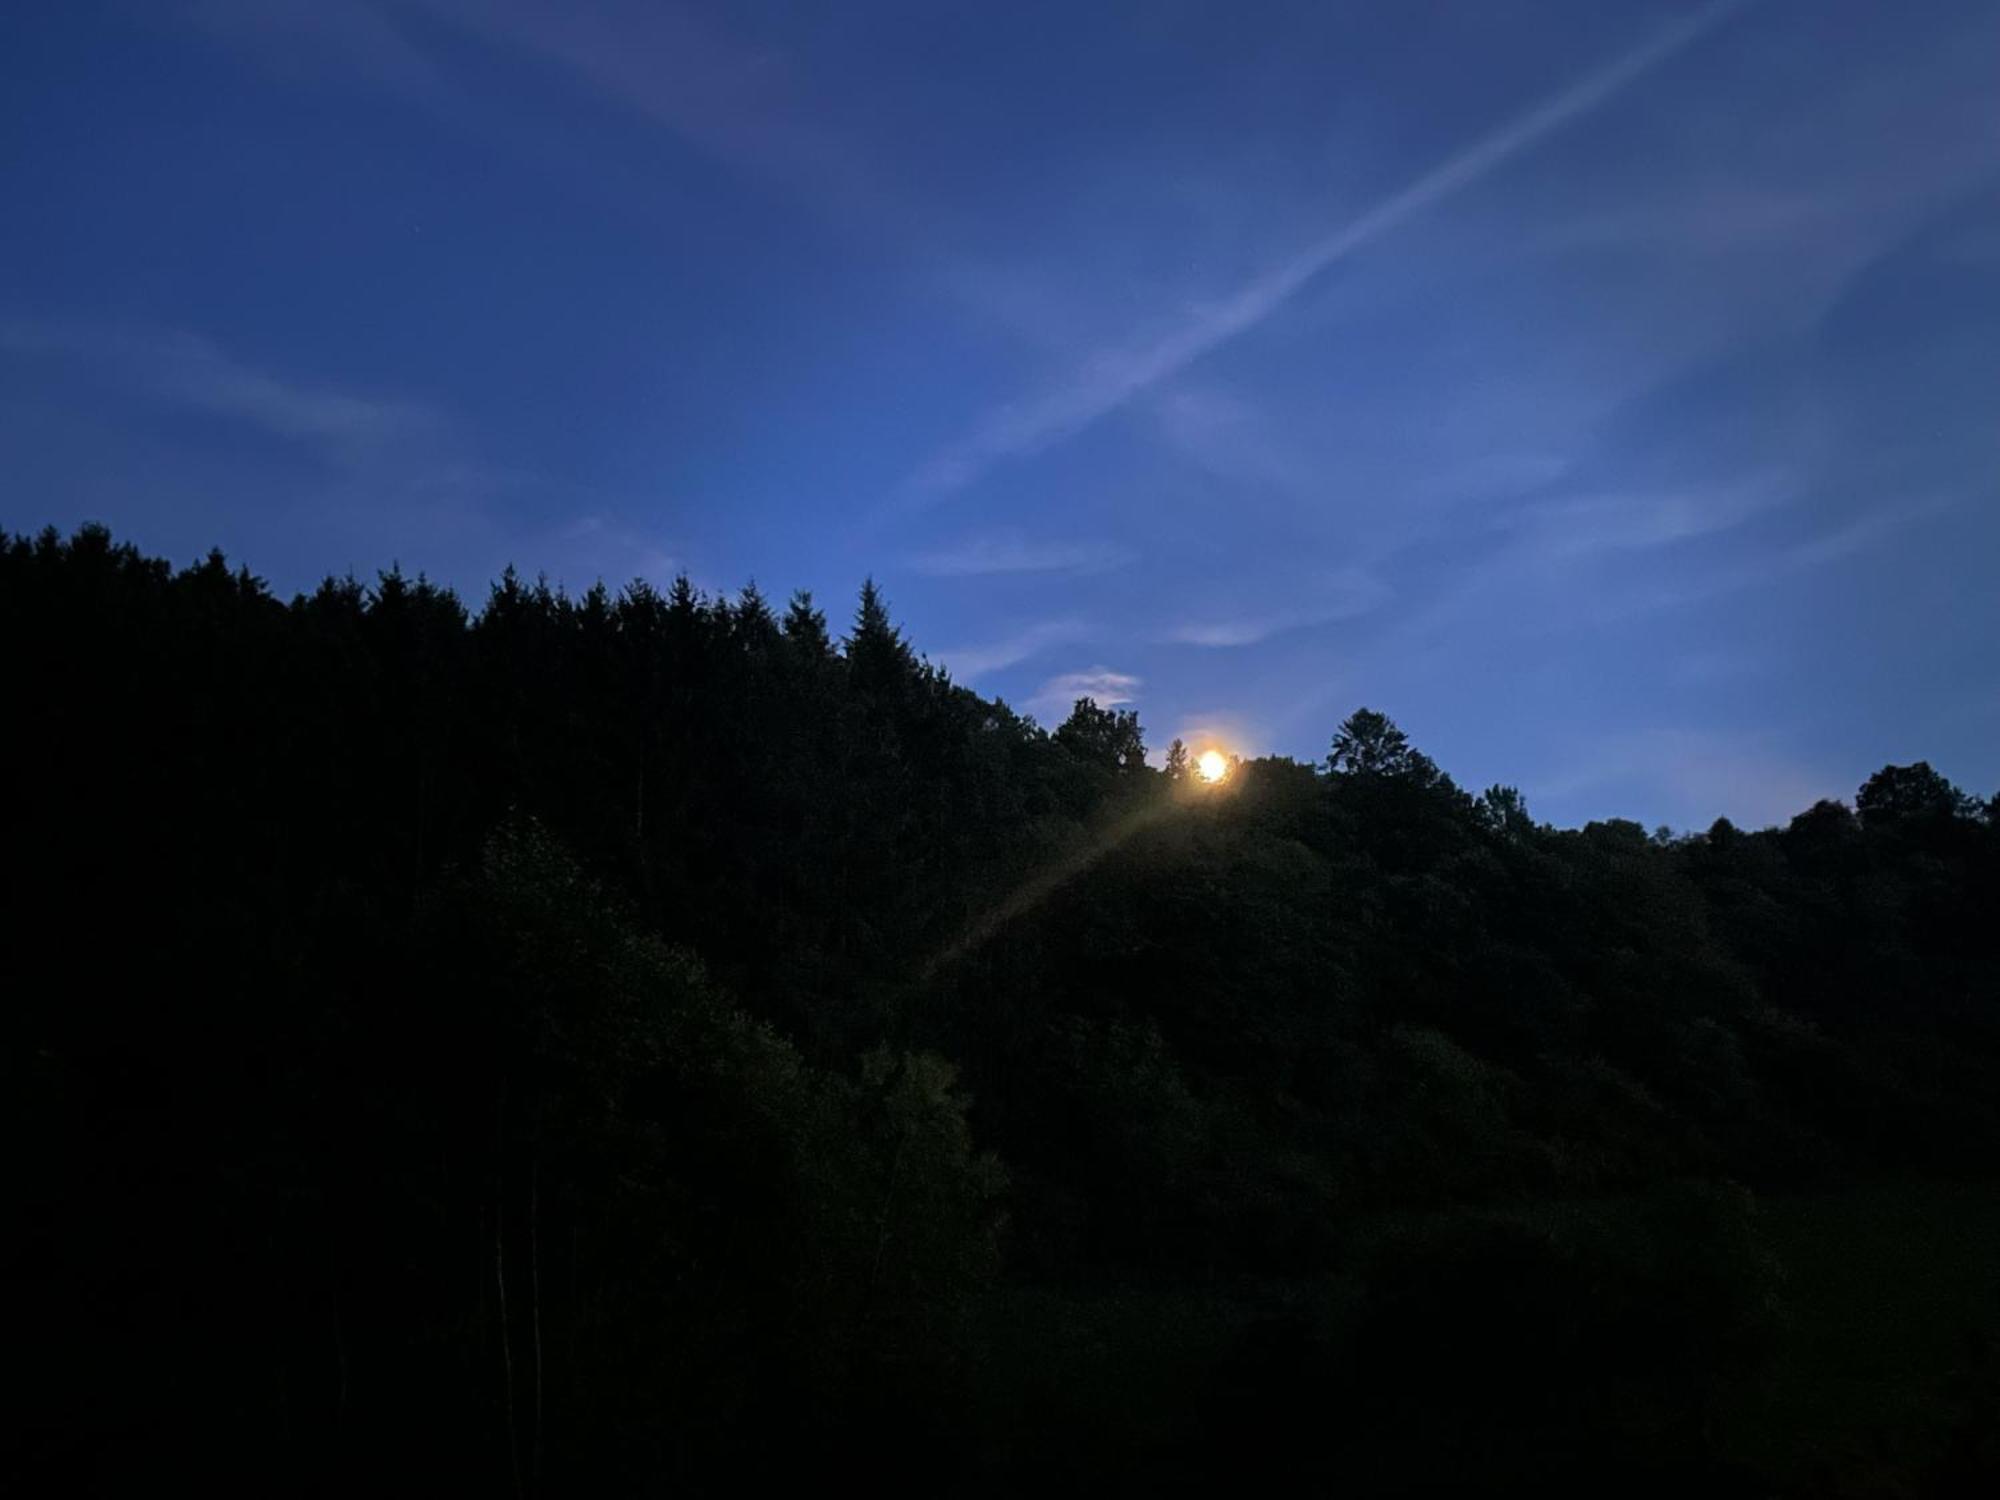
column 1113, row 380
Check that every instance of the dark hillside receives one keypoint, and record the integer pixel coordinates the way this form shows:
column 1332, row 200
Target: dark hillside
column 592, row 1045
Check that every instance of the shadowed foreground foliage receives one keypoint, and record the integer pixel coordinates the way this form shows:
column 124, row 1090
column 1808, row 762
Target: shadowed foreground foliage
column 615, row 1043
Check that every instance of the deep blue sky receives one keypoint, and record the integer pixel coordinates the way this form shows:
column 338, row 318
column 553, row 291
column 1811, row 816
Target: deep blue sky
column 1608, row 391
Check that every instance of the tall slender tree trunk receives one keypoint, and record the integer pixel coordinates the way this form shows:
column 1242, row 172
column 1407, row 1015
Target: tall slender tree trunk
column 535, row 1299
column 500, row 1276
column 339, row 1351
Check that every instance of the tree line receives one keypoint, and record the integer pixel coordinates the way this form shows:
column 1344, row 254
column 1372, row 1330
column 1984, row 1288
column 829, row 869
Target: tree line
column 595, row 1043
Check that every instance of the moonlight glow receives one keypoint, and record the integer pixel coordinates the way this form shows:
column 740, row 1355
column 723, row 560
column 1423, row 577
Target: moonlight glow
column 1212, row 765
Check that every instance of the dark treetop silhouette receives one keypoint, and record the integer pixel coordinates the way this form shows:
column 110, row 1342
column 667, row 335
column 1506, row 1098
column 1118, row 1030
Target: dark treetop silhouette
column 612, row 1042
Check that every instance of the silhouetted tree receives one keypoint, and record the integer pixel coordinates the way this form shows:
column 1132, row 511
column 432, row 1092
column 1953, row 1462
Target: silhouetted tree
column 1107, row 737
column 805, row 628
column 555, row 1047
column 1503, row 810
column 878, row 659
column 1369, row 744
column 1910, row 792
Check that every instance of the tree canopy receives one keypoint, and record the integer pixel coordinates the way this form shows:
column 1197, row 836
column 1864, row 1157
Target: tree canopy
column 614, row 1042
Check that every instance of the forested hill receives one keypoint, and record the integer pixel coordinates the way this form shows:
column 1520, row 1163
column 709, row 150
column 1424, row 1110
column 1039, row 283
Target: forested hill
column 595, row 1044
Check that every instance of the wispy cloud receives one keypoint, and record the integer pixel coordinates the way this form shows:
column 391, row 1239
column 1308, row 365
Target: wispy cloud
column 968, row 663
column 739, row 104
column 382, row 477
column 1113, row 378
column 354, row 34
column 744, row 106
column 1698, row 773
column 979, row 556
column 1978, row 245
column 1230, row 438
column 1580, row 525
column 604, row 547
column 1766, row 566
column 1701, row 218
column 1055, row 697
column 1862, row 532
column 1493, row 473
column 1342, row 596
column 1556, row 550
column 1737, row 662
column 187, row 370
column 1540, row 572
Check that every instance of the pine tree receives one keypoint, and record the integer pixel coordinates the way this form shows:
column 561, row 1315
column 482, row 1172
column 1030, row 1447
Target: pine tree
column 879, row 662
column 805, row 629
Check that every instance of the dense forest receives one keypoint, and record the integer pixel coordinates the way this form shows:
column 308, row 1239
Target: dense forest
column 647, row 1042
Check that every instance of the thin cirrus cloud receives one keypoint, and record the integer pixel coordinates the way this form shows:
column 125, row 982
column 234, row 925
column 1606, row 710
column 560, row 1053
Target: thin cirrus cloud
column 1109, row 689
column 1547, row 577
column 970, row 662
column 982, row 556
column 1343, row 596
column 741, row 105
column 1582, row 525
column 375, row 465
column 1863, row 532
column 1113, row 378
column 603, row 547
column 1823, row 548
column 184, row 369
column 684, row 74
column 1743, row 774
column 1230, row 438
column 1550, row 566
column 342, row 32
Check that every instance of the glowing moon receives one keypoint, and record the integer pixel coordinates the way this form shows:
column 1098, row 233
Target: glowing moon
column 1211, row 765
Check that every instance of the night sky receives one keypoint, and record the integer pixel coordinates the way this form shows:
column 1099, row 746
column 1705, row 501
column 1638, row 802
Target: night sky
column 1610, row 392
